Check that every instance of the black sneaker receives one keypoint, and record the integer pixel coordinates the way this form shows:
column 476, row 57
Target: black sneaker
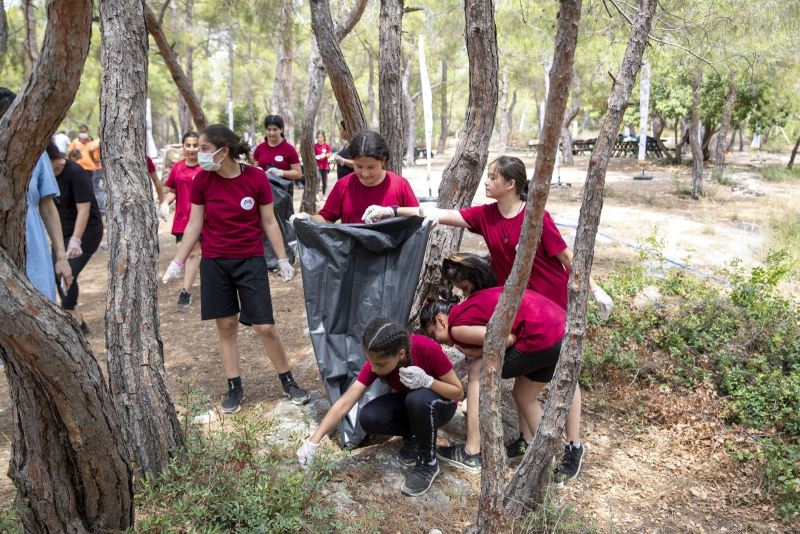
column 570, row 465
column 297, row 394
column 457, row 455
column 184, row 299
column 517, row 448
column 232, row 400
column 84, row 328
column 408, row 452
column 419, row 480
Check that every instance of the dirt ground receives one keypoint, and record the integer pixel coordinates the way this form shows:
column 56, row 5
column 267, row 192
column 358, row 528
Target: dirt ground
column 656, row 463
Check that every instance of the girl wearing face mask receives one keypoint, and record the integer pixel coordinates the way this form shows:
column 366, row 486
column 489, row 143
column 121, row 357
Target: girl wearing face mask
column 534, row 346
column 425, row 391
column 179, row 188
column 276, row 156
column 370, row 184
column 322, row 151
column 231, row 203
column 500, row 224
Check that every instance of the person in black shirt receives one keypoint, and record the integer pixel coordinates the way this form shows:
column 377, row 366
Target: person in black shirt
column 344, row 158
column 81, row 223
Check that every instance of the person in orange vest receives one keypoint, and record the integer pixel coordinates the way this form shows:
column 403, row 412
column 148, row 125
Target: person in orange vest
column 85, row 151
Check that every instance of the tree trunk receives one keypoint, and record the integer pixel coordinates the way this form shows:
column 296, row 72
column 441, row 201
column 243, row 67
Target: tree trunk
column 135, row 357
column 794, row 153
column 566, row 136
column 183, row 83
column 707, row 132
column 492, row 452
column 282, row 88
column 410, row 122
column 528, row 483
column 658, row 129
column 509, row 118
column 231, row 55
column 344, row 89
column 503, row 141
column 316, row 82
column 767, row 133
column 461, row 177
column 727, row 112
column 3, row 33
column 677, row 156
column 373, row 109
column 443, row 111
column 695, row 141
column 30, row 45
column 390, row 90
column 186, row 115
column 69, row 463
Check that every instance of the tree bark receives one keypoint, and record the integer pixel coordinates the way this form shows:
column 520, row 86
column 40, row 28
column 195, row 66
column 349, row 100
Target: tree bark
column 183, row 83
column 658, row 129
column 492, row 452
column 461, row 177
column 30, row 46
column 390, row 90
column 503, row 141
column 443, row 111
column 3, row 33
column 316, row 82
column 186, row 112
column 68, row 461
column 344, row 89
column 566, row 136
column 695, row 141
column 794, row 153
column 529, row 481
column 410, row 122
column 374, row 121
column 135, row 356
column 727, row 113
column 282, row 88
column 707, row 132
column 767, row 133
column 509, row 118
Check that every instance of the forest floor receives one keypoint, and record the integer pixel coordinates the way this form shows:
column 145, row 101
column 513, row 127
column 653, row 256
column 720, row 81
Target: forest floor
column 656, row 461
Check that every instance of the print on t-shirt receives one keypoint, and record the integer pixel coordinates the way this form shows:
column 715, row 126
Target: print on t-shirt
column 248, row 203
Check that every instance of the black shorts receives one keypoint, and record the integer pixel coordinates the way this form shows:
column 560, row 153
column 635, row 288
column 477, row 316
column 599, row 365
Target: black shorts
column 537, row 366
column 231, row 286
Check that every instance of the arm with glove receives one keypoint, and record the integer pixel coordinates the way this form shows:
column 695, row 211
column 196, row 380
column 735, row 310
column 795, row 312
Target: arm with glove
column 275, row 238
column 447, row 386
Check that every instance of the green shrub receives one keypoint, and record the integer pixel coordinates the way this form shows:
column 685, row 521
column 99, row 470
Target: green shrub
column 10, row 522
column 779, row 173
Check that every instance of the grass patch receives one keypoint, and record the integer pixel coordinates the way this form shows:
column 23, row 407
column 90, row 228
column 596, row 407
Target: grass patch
column 780, row 173
column 785, row 235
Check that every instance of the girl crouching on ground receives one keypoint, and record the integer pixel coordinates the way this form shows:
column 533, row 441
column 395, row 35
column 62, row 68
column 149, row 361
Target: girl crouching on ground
column 425, row 391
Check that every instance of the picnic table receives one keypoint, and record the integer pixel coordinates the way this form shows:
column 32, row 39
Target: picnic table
column 623, row 148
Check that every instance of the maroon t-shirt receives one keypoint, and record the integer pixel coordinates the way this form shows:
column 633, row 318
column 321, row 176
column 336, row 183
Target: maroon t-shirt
column 548, row 275
column 539, row 323
column 425, row 353
column 323, row 150
column 349, row 198
column 180, row 180
column 151, row 167
column 282, row 156
column 232, row 225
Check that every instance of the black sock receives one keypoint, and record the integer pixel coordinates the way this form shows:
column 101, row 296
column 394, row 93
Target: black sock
column 235, row 383
column 286, row 377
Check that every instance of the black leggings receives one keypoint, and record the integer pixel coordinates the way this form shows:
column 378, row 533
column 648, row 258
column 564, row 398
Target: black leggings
column 323, row 176
column 416, row 413
column 89, row 244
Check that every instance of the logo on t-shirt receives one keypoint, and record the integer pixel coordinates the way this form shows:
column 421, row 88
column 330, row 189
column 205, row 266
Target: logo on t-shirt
column 248, row 203
column 278, row 158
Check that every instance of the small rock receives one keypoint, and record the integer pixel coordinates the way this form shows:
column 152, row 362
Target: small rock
column 649, row 297
column 205, row 418
column 435, row 531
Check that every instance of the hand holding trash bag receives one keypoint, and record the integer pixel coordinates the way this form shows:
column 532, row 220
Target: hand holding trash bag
column 375, row 213
column 286, row 269
column 604, row 302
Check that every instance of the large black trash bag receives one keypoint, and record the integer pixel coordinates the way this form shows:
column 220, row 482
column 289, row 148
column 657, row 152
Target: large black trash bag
column 284, row 208
column 353, row 273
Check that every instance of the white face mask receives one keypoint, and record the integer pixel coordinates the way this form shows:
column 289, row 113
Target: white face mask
column 83, row 135
column 206, row 160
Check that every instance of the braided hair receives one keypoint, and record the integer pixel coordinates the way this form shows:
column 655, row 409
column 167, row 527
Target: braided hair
column 383, row 337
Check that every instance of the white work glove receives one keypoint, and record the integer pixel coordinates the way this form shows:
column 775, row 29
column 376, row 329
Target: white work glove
column 275, row 172
column 604, row 302
column 375, row 213
column 286, row 269
column 430, row 214
column 163, row 210
column 306, row 452
column 302, row 216
column 74, row 248
column 173, row 272
column 414, row 377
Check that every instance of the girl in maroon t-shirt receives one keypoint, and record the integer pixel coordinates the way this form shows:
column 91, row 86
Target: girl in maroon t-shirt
column 275, row 155
column 425, row 390
column 533, row 349
column 232, row 206
column 500, row 224
column 179, row 187
column 322, row 151
column 370, row 184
